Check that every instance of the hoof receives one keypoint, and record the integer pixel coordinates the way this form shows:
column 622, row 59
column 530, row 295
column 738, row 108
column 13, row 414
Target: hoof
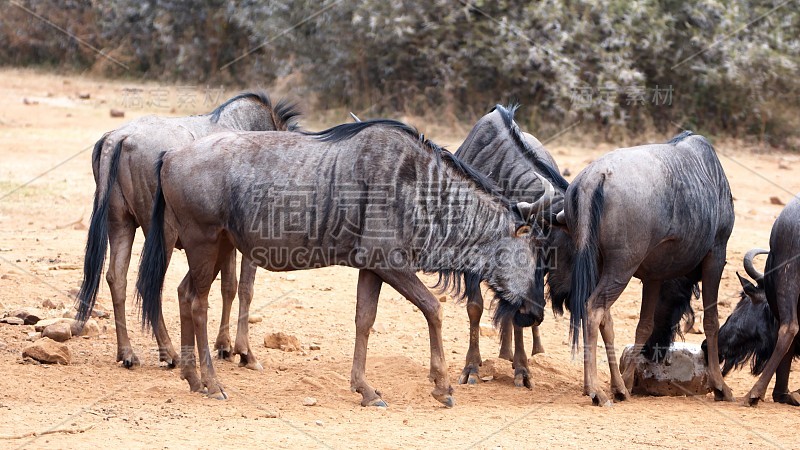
column 249, row 362
column 224, row 354
column 469, row 376
column 725, row 394
column 787, row 398
column 600, row 399
column 221, row 395
column 522, row 380
column 448, row 401
column 378, row 403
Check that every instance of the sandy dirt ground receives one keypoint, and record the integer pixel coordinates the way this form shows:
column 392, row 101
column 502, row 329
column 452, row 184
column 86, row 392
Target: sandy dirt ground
column 46, row 189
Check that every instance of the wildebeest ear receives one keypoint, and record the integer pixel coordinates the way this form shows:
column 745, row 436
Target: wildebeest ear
column 750, row 289
column 523, row 230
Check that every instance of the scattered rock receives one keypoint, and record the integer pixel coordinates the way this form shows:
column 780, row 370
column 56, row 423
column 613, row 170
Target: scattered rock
column 116, row 113
column 12, row 321
column 282, row 341
column 30, row 102
column 319, row 423
column 566, row 172
column 442, row 299
column 48, row 351
column 90, row 328
column 776, row 201
column 681, row 373
column 309, row 401
column 254, row 318
column 314, row 347
column 494, row 368
column 488, row 330
column 42, row 324
column 84, row 95
column 291, row 277
column 783, row 164
column 28, row 317
column 271, row 414
column 34, row 335
column 50, row 304
column 59, row 332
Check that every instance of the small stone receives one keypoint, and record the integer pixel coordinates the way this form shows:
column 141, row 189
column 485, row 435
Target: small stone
column 59, row 332
column 309, row 401
column 34, row 335
column 566, row 172
column 282, row 341
column 12, row 321
column 116, row 113
column 313, row 347
column 291, row 277
column 442, row 299
column 28, row 317
column 488, row 330
column 254, row 318
column 48, row 351
column 271, row 414
column 319, row 423
column 42, row 324
column 776, row 201
column 90, row 328
column 84, row 95
column 783, row 164
column 283, row 368
column 50, row 304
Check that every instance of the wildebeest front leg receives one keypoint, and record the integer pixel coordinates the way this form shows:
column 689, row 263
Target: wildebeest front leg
column 474, row 310
column 409, row 286
column 712, row 267
column 242, row 347
column 188, row 360
column 786, row 333
column 367, row 292
column 618, row 388
column 780, row 393
column 120, row 238
column 228, row 290
column 522, row 376
column 538, row 347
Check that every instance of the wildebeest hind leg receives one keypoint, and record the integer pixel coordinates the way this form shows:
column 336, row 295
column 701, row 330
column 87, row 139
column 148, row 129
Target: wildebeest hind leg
column 522, row 376
column 410, row 287
column 367, row 292
column 188, row 360
column 618, row 388
column 780, row 393
column 242, row 347
column 712, row 267
column 599, row 304
column 120, row 237
column 203, row 274
column 474, row 310
column 650, row 297
column 228, row 290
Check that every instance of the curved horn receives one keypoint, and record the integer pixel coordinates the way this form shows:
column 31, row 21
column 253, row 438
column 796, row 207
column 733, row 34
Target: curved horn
column 748, row 264
column 561, row 218
column 355, row 117
column 547, row 197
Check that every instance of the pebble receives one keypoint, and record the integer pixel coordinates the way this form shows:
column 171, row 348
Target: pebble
column 59, row 332
column 48, row 351
column 314, row 347
column 309, row 401
column 254, row 318
column 291, row 277
column 319, row 422
column 50, row 304
column 282, row 341
column 488, row 330
column 442, row 299
column 12, row 321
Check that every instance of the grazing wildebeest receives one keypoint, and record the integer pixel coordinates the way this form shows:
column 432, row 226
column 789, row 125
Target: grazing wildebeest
column 519, row 163
column 371, row 195
column 656, row 212
column 514, row 160
column 122, row 163
column 764, row 325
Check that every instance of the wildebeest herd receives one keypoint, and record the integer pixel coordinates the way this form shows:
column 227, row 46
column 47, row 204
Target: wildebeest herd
column 378, row 196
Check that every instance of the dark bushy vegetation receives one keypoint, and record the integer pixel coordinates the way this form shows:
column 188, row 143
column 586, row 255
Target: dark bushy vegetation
column 625, row 66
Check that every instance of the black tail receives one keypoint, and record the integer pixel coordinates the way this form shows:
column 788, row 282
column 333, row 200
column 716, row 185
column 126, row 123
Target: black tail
column 153, row 265
column 585, row 271
column 97, row 240
column 674, row 304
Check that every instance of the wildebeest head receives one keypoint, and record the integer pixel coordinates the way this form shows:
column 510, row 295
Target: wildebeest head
column 516, row 272
column 750, row 332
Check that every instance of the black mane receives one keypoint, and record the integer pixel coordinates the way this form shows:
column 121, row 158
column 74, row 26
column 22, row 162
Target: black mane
column 259, row 96
column 552, row 175
column 348, row 130
column 286, row 113
column 680, row 137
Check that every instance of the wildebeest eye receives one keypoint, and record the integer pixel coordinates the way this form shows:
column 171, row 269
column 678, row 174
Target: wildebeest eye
column 523, row 230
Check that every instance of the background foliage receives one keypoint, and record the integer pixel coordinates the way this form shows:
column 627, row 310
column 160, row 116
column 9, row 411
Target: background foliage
column 620, row 67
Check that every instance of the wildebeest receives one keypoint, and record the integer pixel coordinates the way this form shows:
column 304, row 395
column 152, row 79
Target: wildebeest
column 122, row 163
column 371, row 195
column 764, row 325
column 656, row 212
column 515, row 161
column 520, row 165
